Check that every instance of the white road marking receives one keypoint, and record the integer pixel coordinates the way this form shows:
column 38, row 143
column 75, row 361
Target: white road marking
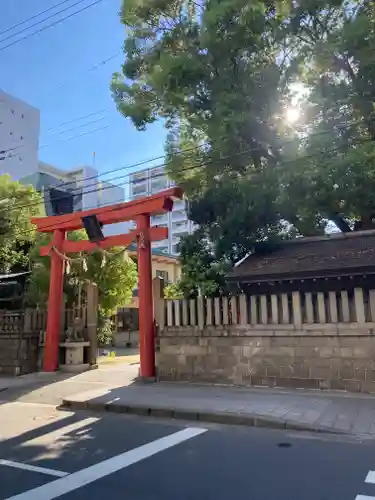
column 364, row 497
column 370, row 478
column 86, row 476
column 33, row 468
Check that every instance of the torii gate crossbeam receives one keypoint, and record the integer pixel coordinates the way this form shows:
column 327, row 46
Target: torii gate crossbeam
column 139, row 210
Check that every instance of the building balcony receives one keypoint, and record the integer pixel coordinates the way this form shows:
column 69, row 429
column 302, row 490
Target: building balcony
column 159, row 219
column 179, row 205
column 180, row 227
column 158, row 185
column 179, row 215
column 139, row 191
column 159, row 244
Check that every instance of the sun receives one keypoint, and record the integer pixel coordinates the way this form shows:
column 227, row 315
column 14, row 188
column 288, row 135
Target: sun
column 292, row 115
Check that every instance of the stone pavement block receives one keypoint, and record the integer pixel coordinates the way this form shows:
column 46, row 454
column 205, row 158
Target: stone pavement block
column 298, row 409
column 116, row 389
column 362, row 424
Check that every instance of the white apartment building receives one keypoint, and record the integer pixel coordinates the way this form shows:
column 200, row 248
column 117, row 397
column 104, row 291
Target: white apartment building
column 153, row 180
column 64, row 191
column 19, row 136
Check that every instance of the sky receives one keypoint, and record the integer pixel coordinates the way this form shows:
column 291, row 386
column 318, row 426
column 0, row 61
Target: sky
column 53, row 71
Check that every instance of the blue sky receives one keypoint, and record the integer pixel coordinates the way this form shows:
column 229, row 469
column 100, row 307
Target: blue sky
column 51, row 72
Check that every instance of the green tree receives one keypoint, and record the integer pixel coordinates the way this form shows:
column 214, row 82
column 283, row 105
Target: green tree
column 336, row 57
column 201, row 272
column 113, row 271
column 173, row 291
column 211, row 73
column 222, row 74
column 18, row 204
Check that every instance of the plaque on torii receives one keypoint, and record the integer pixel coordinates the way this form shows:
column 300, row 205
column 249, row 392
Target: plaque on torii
column 139, row 210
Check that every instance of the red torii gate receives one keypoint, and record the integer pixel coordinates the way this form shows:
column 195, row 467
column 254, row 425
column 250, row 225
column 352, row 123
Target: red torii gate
column 138, row 210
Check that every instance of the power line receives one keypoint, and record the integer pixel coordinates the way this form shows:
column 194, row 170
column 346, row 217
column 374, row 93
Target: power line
column 50, row 25
column 79, row 118
column 103, row 62
column 9, row 152
column 187, row 150
column 64, row 184
column 75, row 136
column 41, row 21
column 21, row 146
column 32, row 18
column 74, row 128
column 193, row 167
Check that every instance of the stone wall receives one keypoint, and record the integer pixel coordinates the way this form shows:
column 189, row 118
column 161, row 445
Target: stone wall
column 126, row 339
column 315, row 356
column 18, row 353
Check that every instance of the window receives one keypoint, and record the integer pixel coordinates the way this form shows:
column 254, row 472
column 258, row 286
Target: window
column 12, row 110
column 140, row 189
column 159, row 244
column 21, row 137
column 159, row 219
column 162, row 274
column 10, row 133
column 22, row 116
column 158, row 184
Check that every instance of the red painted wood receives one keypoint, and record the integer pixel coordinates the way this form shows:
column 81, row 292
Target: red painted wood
column 156, row 204
column 140, row 210
column 155, row 234
column 146, row 320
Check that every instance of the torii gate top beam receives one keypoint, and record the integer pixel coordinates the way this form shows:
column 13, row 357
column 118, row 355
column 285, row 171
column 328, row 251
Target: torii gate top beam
column 156, row 204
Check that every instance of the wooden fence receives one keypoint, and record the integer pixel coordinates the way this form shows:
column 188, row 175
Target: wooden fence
column 35, row 321
column 295, row 308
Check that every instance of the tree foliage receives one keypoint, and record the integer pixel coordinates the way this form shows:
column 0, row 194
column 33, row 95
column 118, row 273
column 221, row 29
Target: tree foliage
column 18, row 203
column 202, row 273
column 114, row 273
column 223, row 74
column 173, row 291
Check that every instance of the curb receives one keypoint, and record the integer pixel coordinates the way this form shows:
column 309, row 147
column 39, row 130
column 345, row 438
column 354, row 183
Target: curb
column 192, row 415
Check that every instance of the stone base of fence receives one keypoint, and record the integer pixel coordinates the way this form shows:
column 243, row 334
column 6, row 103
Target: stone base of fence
column 18, row 354
column 319, row 356
column 126, row 339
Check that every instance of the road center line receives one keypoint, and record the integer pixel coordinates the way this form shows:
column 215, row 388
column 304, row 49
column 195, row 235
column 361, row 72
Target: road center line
column 33, row 468
column 72, row 482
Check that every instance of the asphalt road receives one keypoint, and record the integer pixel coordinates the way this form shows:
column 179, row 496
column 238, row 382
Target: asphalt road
column 46, row 454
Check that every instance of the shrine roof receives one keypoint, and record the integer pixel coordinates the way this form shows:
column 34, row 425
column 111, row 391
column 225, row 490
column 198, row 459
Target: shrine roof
column 342, row 254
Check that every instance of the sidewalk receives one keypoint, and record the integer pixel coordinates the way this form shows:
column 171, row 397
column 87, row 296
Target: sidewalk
column 333, row 412
column 51, row 388
column 114, row 387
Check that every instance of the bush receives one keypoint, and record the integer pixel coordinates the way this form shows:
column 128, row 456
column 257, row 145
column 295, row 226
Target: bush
column 106, row 330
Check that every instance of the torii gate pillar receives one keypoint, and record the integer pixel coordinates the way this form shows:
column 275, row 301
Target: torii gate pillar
column 146, row 320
